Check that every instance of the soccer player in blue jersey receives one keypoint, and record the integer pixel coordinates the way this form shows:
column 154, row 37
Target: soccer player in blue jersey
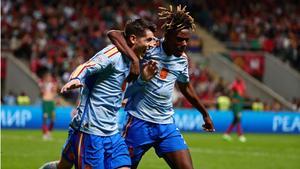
column 94, row 140
column 150, row 111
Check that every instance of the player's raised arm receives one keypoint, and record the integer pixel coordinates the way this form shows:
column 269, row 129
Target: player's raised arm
column 117, row 38
column 188, row 91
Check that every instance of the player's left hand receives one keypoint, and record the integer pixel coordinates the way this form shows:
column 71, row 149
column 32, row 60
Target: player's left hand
column 208, row 125
column 149, row 70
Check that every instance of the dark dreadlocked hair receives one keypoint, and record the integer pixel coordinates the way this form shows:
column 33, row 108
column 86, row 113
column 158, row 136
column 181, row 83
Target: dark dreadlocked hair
column 176, row 20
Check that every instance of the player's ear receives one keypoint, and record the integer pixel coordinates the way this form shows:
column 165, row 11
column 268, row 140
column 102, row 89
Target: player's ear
column 132, row 39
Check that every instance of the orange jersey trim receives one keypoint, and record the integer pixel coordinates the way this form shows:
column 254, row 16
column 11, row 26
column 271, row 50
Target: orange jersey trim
column 111, row 52
column 80, row 68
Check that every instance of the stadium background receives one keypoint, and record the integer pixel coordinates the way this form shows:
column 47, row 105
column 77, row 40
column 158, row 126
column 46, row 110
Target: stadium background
column 255, row 40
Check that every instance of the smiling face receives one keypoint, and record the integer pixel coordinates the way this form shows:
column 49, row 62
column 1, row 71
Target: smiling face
column 139, row 35
column 177, row 41
column 142, row 43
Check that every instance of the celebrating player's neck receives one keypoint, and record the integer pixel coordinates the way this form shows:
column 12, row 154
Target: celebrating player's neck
column 167, row 48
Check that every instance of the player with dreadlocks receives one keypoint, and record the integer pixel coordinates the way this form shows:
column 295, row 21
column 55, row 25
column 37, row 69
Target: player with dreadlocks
column 150, row 121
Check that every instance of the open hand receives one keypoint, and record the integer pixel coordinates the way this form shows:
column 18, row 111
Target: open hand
column 149, row 70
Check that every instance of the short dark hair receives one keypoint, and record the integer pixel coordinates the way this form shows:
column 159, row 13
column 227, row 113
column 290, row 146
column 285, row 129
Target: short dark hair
column 137, row 27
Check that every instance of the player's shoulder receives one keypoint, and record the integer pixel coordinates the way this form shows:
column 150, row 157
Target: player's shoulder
column 110, row 51
column 182, row 60
column 184, row 57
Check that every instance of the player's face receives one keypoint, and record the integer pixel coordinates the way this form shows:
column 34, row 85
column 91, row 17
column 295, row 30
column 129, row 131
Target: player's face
column 144, row 42
column 178, row 41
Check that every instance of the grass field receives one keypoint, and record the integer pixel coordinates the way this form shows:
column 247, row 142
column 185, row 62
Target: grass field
column 25, row 149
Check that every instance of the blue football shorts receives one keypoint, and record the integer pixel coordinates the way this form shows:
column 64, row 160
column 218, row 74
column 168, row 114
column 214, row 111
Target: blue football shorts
column 97, row 152
column 141, row 135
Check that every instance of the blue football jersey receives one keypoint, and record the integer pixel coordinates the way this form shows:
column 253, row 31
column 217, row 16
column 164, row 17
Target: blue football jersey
column 101, row 96
column 153, row 102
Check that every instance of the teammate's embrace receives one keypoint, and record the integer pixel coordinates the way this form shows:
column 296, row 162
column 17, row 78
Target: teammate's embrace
column 94, row 140
column 150, row 120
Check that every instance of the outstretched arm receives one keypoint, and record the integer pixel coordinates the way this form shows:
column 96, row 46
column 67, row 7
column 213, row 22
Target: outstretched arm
column 117, row 38
column 188, row 91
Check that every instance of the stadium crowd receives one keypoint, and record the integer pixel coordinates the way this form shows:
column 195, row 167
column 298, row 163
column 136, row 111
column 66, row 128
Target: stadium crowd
column 57, row 36
column 268, row 25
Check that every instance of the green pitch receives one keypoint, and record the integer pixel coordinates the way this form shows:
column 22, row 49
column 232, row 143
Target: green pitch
column 25, row 149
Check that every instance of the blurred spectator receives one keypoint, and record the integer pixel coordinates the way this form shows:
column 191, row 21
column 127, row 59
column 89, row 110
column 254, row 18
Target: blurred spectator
column 3, row 69
column 267, row 106
column 296, row 104
column 276, row 106
column 251, row 62
column 239, row 86
column 10, row 99
column 257, row 105
column 24, row 50
column 221, row 85
column 23, row 99
column 223, row 101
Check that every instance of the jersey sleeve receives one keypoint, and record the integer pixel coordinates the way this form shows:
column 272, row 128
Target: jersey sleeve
column 96, row 64
column 184, row 74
